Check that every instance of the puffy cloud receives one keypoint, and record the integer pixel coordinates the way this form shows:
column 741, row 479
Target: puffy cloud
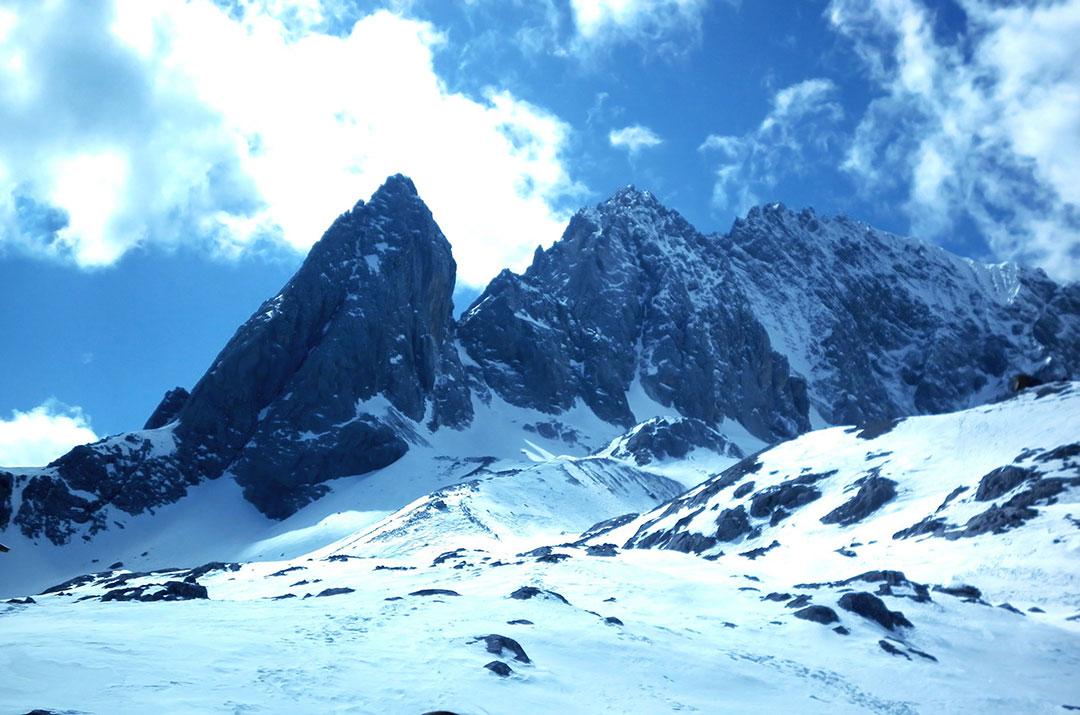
column 181, row 121
column 36, row 437
column 634, row 138
column 981, row 125
column 802, row 119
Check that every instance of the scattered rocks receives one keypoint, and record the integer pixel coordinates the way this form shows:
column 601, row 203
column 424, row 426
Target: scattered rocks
column 818, row 614
column 873, row 608
column 169, row 591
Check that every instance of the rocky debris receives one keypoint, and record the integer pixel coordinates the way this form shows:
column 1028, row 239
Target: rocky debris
column 334, row 591
column 71, row 584
column 527, row 592
column 168, row 409
column 665, row 438
column 760, row 551
column 212, row 566
column 873, row 608
column 500, row 668
column 1017, row 510
column 874, row 492
column 496, row 644
column 732, row 524
column 551, row 558
column 434, row 592
column 168, row 591
column 892, row 583
column 447, row 555
column 601, row 550
column 1001, row 481
column 818, row 614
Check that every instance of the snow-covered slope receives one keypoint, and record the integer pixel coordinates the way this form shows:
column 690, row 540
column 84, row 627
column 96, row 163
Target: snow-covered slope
column 476, row 599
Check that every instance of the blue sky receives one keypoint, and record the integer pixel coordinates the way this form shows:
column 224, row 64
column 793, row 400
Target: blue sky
column 165, row 165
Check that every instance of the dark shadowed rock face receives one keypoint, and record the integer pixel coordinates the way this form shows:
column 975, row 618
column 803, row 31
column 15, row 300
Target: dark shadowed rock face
column 7, row 484
column 632, row 294
column 168, row 409
column 292, row 396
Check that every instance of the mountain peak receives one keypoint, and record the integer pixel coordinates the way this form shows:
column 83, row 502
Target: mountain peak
column 631, row 197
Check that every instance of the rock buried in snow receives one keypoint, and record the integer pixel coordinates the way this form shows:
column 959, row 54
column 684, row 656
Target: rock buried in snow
column 526, row 592
column 874, row 492
column 601, row 550
column 892, row 650
column 500, row 668
column 334, row 591
column 434, row 592
column 496, row 644
column 818, row 614
column 873, row 608
column 612, row 620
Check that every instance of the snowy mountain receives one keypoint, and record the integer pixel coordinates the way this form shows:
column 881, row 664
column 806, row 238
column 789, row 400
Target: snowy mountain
column 607, row 463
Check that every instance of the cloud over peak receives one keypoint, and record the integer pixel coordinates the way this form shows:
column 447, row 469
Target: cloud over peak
column 634, row 138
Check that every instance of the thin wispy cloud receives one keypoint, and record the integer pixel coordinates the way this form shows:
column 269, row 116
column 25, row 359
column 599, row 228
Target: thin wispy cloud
column 634, row 138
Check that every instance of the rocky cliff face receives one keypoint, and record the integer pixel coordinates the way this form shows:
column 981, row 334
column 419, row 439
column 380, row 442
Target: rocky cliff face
column 882, row 326
column 632, row 298
column 291, row 400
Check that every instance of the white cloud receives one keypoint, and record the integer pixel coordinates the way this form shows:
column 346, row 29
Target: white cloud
column 634, row 138
column 985, row 127
column 654, row 22
column 177, row 121
column 802, row 117
column 36, row 437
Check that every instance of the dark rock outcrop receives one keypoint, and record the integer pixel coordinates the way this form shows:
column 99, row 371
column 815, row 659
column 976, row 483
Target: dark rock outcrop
column 168, row 591
column 662, row 438
column 500, row 668
column 818, row 614
column 873, row 608
column 874, row 492
column 496, row 644
column 168, row 409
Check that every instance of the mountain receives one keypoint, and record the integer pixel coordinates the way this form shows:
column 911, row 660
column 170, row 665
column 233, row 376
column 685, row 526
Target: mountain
column 633, row 300
column 477, row 599
column 788, row 321
column 882, row 326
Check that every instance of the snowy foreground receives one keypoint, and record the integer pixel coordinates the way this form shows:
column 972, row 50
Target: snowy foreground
column 786, row 613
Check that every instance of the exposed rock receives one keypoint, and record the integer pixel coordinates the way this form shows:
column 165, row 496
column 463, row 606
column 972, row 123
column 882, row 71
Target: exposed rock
column 613, row 621
column 874, row 492
column 7, row 483
column 434, row 592
column 787, row 496
column 601, row 550
column 526, row 592
column 168, row 591
column 500, row 668
column 760, row 551
column 960, row 591
column 873, row 608
column 664, row 438
column 168, row 409
column 892, row 650
column 496, row 644
column 818, row 614
column 520, row 622
column 1001, row 481
column 334, row 591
